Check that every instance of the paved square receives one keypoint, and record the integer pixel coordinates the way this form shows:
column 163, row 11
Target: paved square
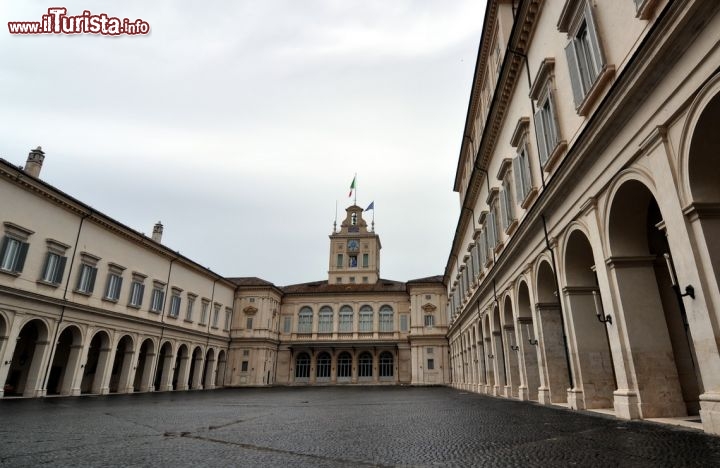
column 332, row 426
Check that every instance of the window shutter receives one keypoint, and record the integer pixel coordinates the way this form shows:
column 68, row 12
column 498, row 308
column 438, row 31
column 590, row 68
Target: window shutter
column 44, row 270
column 59, row 271
column 598, row 59
column 93, row 274
column 540, row 134
column 22, row 255
column 504, row 210
column 142, row 294
column 578, row 92
column 119, row 288
column 555, row 130
column 519, row 187
column 3, row 248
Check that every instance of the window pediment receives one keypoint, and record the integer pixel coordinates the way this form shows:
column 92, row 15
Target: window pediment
column 429, row 308
column 504, row 168
column 542, row 77
column 250, row 310
column 521, row 129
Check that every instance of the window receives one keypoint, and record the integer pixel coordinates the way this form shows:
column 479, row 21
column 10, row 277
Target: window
column 216, row 315
column 157, row 298
column 403, row 323
column 14, row 248
column 137, row 290
column 346, row 319
column 246, row 352
column 305, row 319
column 228, row 318
column 545, row 119
column 366, row 319
column 429, row 320
column 190, row 305
column 386, row 364
column 365, row 365
column 386, row 319
column 491, row 226
column 339, row 263
column 244, row 366
column 302, row 366
column 352, row 261
column 344, row 365
column 338, row 280
column 352, row 279
column 322, row 370
column 353, row 219
column 249, row 323
column 204, row 311
column 175, row 303
column 114, row 282
column 583, row 52
column 287, row 324
column 430, row 350
column 87, row 273
column 364, row 279
column 430, row 364
column 325, row 320
column 523, row 175
column 507, row 203
column 365, row 260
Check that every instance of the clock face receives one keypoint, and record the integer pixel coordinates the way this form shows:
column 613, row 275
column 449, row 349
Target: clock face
column 353, row 244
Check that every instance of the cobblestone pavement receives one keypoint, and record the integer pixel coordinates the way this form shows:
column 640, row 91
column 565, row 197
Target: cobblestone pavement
column 332, row 426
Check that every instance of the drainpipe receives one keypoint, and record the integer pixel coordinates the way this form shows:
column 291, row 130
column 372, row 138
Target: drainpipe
column 64, row 306
column 162, row 316
column 562, row 314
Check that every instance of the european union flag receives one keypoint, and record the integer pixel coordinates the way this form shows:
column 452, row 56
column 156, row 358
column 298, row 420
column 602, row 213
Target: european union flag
column 371, row 206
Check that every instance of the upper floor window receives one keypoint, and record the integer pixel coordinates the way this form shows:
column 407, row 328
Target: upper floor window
column 204, row 311
column 114, row 282
column 287, row 324
column 228, row 318
column 386, row 319
column 55, row 260
column 157, row 298
column 339, row 263
column 305, row 319
column 175, row 300
column 216, row 315
column 366, row 319
column 346, row 319
column 87, row 273
column 429, row 321
column 14, row 248
column 549, row 144
column 584, row 54
column 403, row 322
column 137, row 290
column 325, row 320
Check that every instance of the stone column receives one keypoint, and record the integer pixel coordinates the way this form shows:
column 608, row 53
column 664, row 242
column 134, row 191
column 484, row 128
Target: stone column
column 550, row 340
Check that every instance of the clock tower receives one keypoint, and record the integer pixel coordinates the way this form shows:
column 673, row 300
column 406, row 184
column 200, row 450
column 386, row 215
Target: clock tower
column 354, row 251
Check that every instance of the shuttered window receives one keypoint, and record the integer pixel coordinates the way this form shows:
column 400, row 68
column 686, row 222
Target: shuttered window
column 584, row 56
column 12, row 254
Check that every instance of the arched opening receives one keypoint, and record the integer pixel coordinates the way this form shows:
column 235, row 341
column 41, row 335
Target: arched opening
column 196, row 368
column 24, row 375
column 528, row 344
column 387, row 365
column 346, row 319
column 472, row 356
column 513, row 349
column 480, row 356
column 659, row 339
column 96, row 362
column 325, row 320
column 591, row 357
column 365, row 366
column 164, row 371
column 209, row 368
column 65, row 362
column 322, row 369
column 305, row 320
column 3, row 335
column 386, row 319
column 302, row 367
column 180, row 376
column 344, row 367
column 220, row 374
column 365, row 325
column 121, row 369
column 550, row 336
column 143, row 369
column 489, row 358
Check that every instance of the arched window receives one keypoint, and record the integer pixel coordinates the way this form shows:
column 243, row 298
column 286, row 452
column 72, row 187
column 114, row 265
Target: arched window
column 365, row 363
column 305, row 319
column 386, row 319
column 323, row 366
column 346, row 319
column 344, row 365
column 366, row 319
column 386, row 364
column 302, row 366
column 325, row 320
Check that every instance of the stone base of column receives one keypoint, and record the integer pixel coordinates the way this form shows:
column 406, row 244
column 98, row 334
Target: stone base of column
column 523, row 393
column 710, row 412
column 75, row 392
column 575, row 399
column 104, row 391
column 508, row 391
column 626, row 404
column 183, row 387
column 480, row 388
column 488, row 390
column 209, row 387
column 544, row 396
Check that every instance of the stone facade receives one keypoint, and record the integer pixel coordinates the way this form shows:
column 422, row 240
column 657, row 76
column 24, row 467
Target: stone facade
column 584, row 269
column 90, row 306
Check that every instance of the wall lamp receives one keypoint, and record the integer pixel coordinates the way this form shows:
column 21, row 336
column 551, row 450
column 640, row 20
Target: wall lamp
column 689, row 289
column 602, row 318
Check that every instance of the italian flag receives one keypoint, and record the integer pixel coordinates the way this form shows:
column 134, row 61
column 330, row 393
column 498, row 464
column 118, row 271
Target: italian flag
column 352, row 187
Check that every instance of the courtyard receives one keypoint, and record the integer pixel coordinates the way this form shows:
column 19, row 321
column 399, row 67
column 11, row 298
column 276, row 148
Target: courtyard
column 332, row 426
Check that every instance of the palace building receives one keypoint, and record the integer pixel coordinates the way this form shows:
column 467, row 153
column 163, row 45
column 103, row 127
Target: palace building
column 91, row 306
column 585, row 263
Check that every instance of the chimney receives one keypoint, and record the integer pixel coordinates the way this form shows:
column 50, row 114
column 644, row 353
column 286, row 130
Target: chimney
column 34, row 162
column 157, row 232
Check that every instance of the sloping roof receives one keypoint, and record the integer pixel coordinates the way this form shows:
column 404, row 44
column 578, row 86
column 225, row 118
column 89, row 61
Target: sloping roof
column 323, row 287
column 250, row 281
column 427, row 279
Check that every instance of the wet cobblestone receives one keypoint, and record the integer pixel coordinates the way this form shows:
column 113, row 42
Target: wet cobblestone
column 333, row 426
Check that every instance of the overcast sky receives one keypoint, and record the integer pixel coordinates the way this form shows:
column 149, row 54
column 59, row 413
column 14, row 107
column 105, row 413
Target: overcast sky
column 239, row 124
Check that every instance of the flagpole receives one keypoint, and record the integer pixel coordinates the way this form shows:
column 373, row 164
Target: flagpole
column 356, row 184
column 335, row 222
